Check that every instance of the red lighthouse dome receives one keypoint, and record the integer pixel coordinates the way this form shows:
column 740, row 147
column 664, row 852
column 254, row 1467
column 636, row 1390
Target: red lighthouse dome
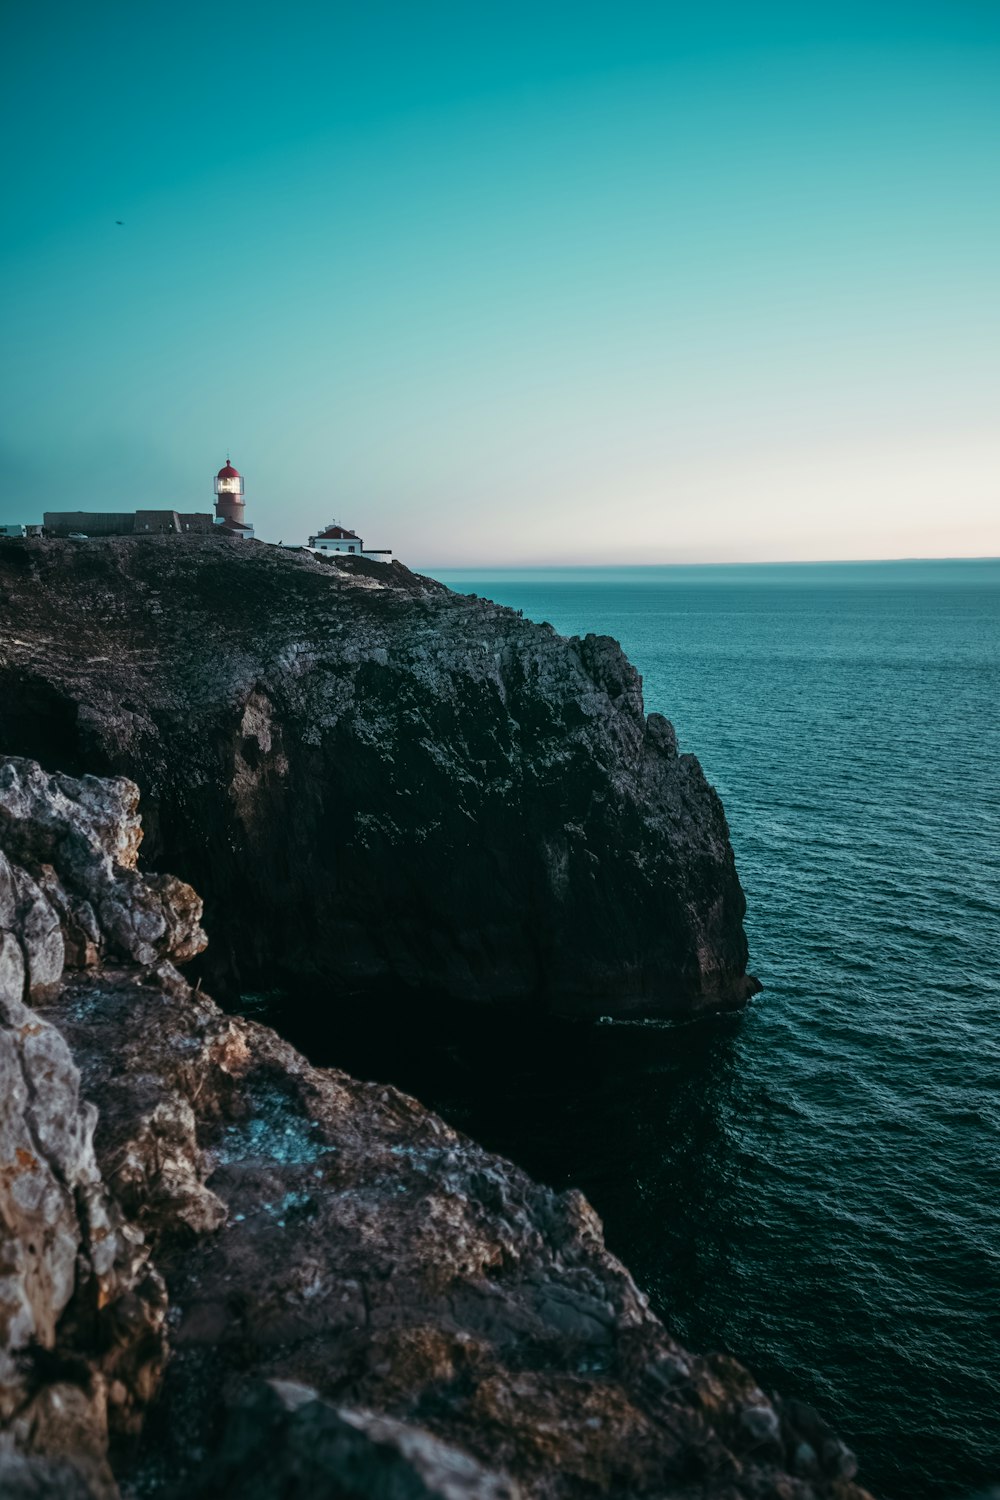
column 229, row 504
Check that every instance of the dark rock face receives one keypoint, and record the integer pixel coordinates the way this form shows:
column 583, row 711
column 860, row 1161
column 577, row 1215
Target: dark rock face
column 362, row 1302
column 378, row 781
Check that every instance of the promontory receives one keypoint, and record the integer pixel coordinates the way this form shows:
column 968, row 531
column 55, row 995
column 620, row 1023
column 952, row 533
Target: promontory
column 376, row 781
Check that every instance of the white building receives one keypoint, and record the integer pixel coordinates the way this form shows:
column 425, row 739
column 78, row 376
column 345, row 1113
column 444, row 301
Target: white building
column 337, row 538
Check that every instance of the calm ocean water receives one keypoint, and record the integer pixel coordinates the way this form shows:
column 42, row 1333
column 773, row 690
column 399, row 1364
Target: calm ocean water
column 813, row 1186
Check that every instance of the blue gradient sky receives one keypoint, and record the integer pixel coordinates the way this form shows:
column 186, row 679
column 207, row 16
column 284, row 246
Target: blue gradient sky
column 511, row 283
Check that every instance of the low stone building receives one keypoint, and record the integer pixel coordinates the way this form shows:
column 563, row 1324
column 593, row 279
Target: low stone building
column 124, row 523
column 229, row 516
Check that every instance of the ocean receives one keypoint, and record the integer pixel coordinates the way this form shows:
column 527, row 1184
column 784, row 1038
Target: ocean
column 813, row 1186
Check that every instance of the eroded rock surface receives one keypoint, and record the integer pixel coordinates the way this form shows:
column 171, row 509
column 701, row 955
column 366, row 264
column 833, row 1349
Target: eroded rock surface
column 360, row 1301
column 377, row 781
column 91, row 830
column 82, row 1311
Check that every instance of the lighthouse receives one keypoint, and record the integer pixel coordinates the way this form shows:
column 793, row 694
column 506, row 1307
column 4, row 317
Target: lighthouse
column 230, row 507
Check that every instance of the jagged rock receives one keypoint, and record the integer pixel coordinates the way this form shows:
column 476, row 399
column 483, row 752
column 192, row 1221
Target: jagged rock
column 25, row 909
column 90, row 829
column 69, row 1261
column 376, row 781
column 12, row 979
column 81, row 933
column 82, row 1341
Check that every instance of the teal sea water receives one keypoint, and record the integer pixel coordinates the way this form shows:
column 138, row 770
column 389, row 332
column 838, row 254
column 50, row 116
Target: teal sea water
column 815, row 1185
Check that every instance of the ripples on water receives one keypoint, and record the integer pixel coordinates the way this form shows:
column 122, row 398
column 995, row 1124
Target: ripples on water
column 814, row 1186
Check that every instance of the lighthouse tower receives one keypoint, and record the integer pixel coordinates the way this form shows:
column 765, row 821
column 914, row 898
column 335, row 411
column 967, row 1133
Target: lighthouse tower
column 229, row 504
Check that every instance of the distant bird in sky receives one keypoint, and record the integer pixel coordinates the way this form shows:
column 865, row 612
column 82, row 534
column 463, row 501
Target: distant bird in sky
column 119, row 221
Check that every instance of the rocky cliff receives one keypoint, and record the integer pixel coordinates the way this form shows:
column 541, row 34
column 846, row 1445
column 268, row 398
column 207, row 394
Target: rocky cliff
column 225, row 1272
column 375, row 780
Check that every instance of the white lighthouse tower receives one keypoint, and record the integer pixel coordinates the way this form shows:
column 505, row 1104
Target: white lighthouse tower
column 230, row 507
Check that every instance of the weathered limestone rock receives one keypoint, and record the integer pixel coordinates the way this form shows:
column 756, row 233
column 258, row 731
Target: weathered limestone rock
column 71, row 1265
column 24, row 907
column 82, row 1340
column 90, row 829
column 373, row 780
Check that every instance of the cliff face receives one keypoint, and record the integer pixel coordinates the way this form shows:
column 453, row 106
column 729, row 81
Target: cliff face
column 355, row 1299
column 377, row 781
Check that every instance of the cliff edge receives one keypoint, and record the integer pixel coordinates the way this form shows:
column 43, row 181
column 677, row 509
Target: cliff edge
column 375, row 781
column 225, row 1272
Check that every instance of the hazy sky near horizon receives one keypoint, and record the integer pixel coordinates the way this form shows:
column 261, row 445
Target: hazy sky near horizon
column 511, row 283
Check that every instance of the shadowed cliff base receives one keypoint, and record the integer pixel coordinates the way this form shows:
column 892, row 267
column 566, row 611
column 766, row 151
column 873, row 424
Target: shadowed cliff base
column 376, row 782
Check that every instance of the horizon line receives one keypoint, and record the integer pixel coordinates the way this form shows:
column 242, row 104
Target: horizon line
column 804, row 562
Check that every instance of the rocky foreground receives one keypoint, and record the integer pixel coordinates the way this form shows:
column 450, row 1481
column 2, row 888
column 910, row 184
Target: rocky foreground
column 225, row 1272
column 376, row 782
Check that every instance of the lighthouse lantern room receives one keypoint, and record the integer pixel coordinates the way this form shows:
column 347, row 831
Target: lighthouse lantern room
column 230, row 507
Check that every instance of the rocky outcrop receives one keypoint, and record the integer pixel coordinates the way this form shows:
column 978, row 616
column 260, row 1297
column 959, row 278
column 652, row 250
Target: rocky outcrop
column 98, row 902
column 376, row 781
column 361, row 1301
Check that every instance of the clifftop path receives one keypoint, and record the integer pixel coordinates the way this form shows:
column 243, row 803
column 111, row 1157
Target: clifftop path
column 375, row 780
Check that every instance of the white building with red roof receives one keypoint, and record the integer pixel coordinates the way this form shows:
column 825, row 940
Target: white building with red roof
column 337, row 538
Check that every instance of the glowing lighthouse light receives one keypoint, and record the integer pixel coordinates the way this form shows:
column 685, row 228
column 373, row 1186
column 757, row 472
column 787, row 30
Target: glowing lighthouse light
column 230, row 508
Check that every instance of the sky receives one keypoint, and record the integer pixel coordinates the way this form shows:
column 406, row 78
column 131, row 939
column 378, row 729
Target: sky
column 510, row 284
